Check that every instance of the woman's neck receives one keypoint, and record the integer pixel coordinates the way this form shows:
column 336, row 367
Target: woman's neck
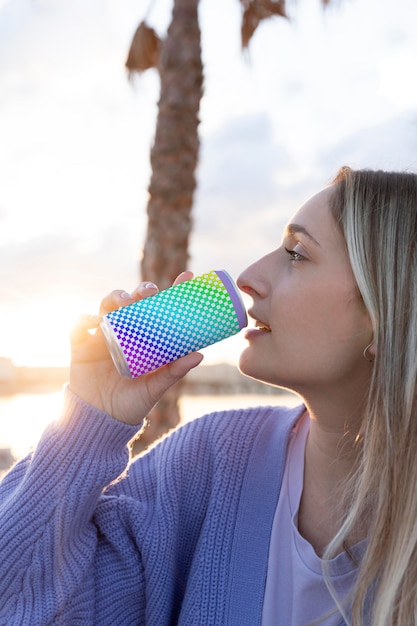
column 330, row 457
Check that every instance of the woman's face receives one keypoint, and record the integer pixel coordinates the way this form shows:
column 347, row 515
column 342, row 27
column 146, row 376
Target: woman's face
column 310, row 324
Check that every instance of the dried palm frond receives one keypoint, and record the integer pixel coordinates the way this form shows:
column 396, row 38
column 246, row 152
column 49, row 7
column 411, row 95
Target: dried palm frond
column 254, row 11
column 144, row 49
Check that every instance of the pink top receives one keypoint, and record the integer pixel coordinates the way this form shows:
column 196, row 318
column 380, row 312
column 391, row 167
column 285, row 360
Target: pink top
column 296, row 592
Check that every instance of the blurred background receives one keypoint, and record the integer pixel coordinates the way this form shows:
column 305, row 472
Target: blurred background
column 322, row 89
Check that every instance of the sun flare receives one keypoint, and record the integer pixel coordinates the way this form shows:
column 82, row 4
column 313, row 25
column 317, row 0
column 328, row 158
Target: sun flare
column 36, row 333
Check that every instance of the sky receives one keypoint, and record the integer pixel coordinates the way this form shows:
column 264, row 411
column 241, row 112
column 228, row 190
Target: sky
column 320, row 90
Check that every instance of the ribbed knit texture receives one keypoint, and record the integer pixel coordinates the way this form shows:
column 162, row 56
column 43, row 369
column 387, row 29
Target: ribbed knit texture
column 165, row 544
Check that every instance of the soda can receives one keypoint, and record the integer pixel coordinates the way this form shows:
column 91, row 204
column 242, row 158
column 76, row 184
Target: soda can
column 184, row 318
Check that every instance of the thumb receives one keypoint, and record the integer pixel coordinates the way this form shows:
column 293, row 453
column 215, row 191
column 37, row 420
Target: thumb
column 162, row 379
column 182, row 366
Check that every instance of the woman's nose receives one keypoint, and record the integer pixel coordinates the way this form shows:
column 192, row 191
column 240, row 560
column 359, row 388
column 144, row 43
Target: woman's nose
column 253, row 280
column 242, row 282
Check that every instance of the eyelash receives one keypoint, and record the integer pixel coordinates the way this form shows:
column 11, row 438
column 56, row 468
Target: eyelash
column 295, row 256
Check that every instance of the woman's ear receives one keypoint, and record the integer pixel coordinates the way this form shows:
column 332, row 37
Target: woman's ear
column 370, row 352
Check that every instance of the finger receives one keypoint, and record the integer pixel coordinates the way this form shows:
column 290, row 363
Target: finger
column 180, row 367
column 184, row 276
column 162, row 379
column 145, row 289
column 115, row 300
column 82, row 326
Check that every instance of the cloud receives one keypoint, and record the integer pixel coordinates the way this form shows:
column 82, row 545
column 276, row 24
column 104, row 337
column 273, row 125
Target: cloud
column 94, row 263
column 241, row 159
column 391, row 145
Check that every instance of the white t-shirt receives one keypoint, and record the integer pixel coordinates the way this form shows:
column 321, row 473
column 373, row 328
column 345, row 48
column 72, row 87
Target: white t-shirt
column 296, row 593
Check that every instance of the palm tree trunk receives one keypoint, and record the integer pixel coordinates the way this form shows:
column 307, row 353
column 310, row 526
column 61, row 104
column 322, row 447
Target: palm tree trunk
column 174, row 158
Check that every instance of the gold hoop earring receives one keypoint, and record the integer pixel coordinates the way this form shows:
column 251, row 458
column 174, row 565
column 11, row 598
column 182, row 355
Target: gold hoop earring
column 366, row 355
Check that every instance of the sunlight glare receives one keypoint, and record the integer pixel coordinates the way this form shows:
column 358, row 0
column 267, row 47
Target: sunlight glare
column 38, row 333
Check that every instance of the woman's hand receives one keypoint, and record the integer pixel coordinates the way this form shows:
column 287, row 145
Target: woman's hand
column 94, row 378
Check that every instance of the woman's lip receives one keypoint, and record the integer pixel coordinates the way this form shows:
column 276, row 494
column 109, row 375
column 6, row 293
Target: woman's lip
column 258, row 322
column 259, row 329
column 253, row 332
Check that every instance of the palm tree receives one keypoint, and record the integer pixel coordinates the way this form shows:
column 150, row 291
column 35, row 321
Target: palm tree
column 174, row 155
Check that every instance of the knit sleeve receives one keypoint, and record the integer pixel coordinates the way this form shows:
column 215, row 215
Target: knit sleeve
column 48, row 538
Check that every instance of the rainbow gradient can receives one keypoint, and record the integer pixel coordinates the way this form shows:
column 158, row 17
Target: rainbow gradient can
column 187, row 317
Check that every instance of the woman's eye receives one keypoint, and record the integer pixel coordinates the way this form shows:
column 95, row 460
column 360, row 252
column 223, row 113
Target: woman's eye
column 295, row 256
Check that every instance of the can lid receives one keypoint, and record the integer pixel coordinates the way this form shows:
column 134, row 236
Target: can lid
column 115, row 349
column 235, row 297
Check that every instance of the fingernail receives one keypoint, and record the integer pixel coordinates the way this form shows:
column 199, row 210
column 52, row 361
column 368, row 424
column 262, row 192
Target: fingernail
column 126, row 296
column 149, row 286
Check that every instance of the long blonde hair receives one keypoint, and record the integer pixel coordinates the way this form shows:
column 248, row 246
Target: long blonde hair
column 377, row 212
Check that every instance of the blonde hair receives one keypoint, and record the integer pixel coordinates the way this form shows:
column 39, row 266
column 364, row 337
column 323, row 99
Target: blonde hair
column 377, row 212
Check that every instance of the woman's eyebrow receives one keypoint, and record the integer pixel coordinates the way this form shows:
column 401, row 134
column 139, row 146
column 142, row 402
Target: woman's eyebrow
column 292, row 229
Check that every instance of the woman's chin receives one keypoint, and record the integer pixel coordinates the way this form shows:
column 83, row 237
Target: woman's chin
column 247, row 365
column 244, row 362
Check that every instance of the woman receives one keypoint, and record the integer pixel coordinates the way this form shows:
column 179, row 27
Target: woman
column 268, row 516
